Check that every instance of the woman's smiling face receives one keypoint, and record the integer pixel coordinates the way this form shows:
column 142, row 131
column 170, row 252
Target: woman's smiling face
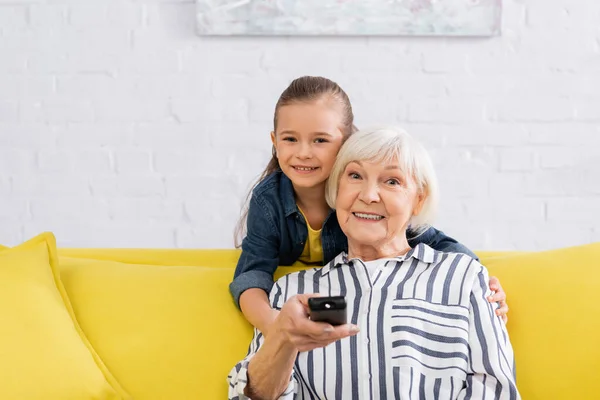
column 375, row 202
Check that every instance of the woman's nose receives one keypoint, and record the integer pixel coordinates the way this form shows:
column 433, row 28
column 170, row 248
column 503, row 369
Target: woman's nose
column 369, row 193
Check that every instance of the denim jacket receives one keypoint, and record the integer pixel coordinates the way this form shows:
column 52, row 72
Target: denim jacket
column 277, row 233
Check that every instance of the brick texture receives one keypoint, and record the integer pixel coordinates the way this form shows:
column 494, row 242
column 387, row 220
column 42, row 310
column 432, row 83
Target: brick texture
column 120, row 127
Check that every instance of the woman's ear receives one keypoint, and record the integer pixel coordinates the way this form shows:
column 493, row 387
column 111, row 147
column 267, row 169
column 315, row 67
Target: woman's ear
column 420, row 201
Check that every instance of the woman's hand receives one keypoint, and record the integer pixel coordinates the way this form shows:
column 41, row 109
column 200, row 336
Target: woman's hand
column 499, row 297
column 295, row 327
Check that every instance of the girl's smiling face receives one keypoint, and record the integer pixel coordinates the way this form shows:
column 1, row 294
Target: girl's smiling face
column 307, row 139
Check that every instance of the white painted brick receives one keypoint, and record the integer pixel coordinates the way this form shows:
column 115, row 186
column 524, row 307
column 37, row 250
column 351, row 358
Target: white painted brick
column 517, row 159
column 512, row 184
column 56, row 109
column 203, row 186
column 25, row 86
column 549, row 85
column 251, row 163
column 302, row 57
column 36, row 184
column 434, row 136
column 15, row 161
column 13, row 17
column 376, row 57
column 526, row 236
column 191, row 161
column 191, row 136
column 135, row 81
column 211, row 211
column 496, row 135
column 473, row 85
column 146, row 209
column 127, row 185
column 445, row 59
column 131, row 108
column 531, row 109
column 9, row 111
column 565, row 134
column 5, row 184
column 47, row 60
column 105, row 234
column 450, row 111
column 13, row 209
column 66, row 208
column 133, row 162
column 388, row 112
column 175, row 85
column 156, row 63
column 15, row 64
column 559, row 157
column 189, row 109
column 504, row 209
column 111, row 14
column 575, row 210
column 94, row 134
column 204, row 237
column 588, row 110
column 173, row 19
column 91, row 86
column 252, row 136
column 82, row 161
column 11, row 234
column 47, row 15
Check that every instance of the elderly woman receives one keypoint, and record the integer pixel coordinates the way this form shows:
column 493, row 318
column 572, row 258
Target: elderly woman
column 420, row 326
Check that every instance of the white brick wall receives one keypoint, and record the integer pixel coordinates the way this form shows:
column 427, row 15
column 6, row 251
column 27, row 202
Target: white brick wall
column 120, row 127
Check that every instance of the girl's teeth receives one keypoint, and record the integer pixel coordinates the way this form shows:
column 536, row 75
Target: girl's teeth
column 369, row 216
column 305, row 169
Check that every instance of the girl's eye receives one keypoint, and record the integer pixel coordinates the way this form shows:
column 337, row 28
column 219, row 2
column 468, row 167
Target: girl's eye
column 321, row 140
column 289, row 139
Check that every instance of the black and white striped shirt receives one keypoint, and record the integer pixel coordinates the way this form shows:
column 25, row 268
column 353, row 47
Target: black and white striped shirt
column 427, row 331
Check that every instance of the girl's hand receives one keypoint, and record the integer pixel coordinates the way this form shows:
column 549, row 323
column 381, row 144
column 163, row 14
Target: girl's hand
column 303, row 334
column 499, row 297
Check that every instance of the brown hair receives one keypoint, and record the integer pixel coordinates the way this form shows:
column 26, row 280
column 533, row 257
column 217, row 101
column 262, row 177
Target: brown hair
column 304, row 89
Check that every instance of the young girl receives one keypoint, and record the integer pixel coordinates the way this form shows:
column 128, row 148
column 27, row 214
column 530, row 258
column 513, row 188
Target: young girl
column 288, row 219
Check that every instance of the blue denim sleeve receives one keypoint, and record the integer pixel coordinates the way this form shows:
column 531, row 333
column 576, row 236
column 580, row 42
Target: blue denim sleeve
column 439, row 241
column 260, row 252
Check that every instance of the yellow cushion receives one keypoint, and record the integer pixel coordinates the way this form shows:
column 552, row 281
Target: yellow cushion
column 43, row 352
column 166, row 332
column 554, row 320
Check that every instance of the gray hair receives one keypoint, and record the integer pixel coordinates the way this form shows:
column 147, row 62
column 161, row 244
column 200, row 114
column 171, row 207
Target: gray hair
column 386, row 144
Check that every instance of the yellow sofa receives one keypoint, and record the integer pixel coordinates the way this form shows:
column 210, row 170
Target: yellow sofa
column 164, row 325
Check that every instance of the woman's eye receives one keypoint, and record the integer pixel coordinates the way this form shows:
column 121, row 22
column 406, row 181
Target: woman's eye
column 353, row 175
column 393, row 181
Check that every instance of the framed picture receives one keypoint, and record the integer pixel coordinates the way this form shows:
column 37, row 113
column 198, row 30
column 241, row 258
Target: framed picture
column 349, row 17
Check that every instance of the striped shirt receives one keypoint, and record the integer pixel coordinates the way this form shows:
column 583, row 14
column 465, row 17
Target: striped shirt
column 427, row 331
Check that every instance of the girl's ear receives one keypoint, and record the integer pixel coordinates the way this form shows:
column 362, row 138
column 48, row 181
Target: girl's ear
column 274, row 141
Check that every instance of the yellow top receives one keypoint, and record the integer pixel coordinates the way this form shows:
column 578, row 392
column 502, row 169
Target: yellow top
column 313, row 249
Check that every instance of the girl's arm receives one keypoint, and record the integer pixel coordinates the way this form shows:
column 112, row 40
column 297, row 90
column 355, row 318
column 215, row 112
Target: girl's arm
column 253, row 278
column 254, row 303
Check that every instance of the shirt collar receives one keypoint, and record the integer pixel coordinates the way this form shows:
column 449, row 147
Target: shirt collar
column 421, row 252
